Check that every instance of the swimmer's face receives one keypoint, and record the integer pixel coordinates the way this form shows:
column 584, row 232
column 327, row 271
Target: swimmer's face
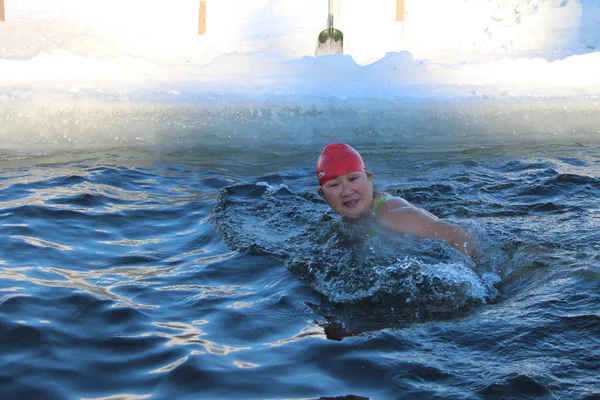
column 349, row 195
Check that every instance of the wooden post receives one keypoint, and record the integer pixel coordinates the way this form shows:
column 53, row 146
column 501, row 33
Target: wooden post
column 201, row 18
column 1, row 10
column 399, row 10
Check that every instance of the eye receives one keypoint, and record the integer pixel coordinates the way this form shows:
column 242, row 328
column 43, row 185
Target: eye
column 332, row 185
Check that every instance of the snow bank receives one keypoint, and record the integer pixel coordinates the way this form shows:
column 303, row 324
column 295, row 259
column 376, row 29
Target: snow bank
column 471, row 71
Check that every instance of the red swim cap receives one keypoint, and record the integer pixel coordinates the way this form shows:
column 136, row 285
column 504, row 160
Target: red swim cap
column 338, row 159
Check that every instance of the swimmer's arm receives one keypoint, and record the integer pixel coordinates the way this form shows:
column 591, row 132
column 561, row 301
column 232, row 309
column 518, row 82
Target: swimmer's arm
column 406, row 218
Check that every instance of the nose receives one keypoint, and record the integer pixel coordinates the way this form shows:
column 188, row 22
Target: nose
column 346, row 190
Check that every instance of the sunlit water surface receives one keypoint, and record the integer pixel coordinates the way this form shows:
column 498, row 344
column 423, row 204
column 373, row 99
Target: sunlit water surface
column 116, row 280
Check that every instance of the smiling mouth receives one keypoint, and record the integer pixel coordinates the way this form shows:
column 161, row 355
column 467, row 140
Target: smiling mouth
column 350, row 203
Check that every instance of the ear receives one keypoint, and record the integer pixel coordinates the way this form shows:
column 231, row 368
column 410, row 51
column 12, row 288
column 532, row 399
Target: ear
column 321, row 193
column 370, row 176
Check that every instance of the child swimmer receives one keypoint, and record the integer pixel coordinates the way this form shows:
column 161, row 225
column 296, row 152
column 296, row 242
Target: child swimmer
column 347, row 187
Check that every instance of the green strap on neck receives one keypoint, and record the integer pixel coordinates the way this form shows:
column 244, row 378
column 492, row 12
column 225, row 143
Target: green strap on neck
column 379, row 203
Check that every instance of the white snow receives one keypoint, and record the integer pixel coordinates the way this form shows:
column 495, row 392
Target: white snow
column 106, row 57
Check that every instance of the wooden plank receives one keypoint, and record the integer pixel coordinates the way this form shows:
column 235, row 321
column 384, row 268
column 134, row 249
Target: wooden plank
column 202, row 18
column 1, row 10
column 399, row 10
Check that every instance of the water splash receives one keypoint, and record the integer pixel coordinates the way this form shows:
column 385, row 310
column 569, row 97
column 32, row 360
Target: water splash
column 348, row 261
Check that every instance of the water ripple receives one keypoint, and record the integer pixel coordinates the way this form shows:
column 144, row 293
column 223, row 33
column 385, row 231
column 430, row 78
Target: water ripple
column 114, row 283
column 190, row 335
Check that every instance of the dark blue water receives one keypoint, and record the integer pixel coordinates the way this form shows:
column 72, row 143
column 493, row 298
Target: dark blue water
column 118, row 281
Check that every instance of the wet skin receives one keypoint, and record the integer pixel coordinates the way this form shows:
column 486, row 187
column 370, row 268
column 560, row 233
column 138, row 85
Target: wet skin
column 352, row 195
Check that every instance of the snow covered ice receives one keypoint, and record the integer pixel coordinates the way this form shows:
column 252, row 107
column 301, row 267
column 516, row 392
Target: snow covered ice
column 74, row 71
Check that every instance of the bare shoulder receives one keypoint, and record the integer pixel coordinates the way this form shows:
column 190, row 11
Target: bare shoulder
column 395, row 203
column 399, row 208
column 402, row 216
